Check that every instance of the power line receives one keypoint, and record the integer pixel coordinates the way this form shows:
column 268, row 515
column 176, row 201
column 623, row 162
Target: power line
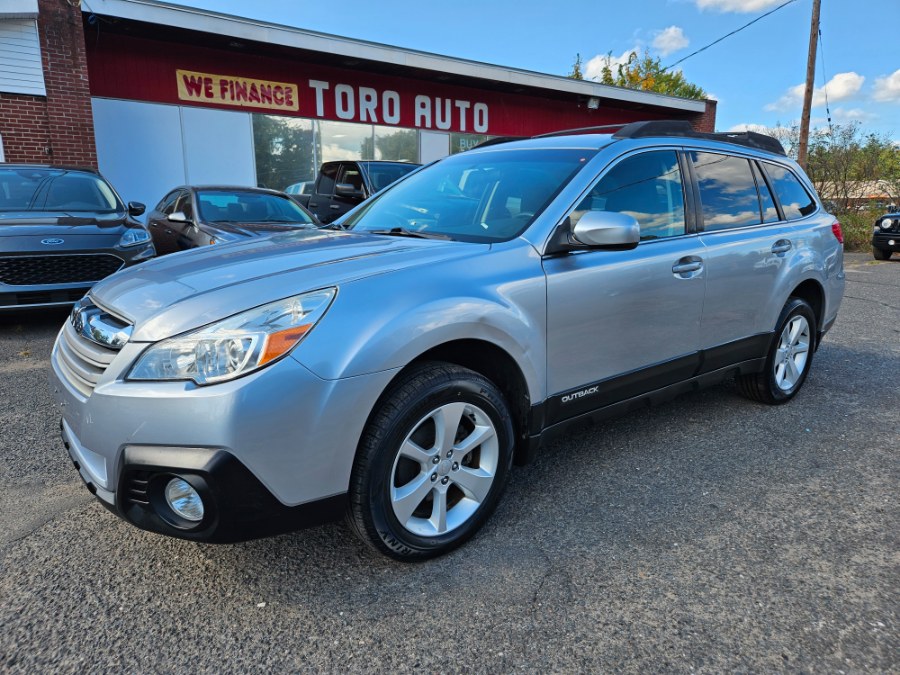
column 825, row 82
column 738, row 30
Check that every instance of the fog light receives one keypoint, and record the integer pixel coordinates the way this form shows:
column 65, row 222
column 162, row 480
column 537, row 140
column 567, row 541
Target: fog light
column 184, row 500
column 891, row 242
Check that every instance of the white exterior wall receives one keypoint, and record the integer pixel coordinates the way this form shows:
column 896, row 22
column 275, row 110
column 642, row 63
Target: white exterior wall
column 146, row 149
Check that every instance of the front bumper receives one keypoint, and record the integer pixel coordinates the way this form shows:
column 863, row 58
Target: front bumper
column 272, row 451
column 237, row 506
column 886, row 241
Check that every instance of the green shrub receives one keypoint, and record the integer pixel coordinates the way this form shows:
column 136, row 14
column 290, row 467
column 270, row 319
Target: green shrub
column 857, row 229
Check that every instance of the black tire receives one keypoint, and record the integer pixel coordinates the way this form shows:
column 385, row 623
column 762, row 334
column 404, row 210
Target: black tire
column 880, row 253
column 404, row 411
column 767, row 387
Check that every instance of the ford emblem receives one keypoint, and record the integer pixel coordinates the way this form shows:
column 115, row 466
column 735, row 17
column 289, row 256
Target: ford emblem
column 52, row 242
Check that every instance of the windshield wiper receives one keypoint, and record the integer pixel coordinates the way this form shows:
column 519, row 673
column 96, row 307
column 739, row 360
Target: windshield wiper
column 403, row 232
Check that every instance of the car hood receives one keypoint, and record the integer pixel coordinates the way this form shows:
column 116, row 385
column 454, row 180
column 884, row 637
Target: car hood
column 255, row 229
column 179, row 292
column 55, row 232
column 58, row 223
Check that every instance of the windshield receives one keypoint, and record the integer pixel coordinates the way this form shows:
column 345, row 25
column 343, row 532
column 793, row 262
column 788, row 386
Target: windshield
column 232, row 206
column 381, row 175
column 478, row 197
column 55, row 190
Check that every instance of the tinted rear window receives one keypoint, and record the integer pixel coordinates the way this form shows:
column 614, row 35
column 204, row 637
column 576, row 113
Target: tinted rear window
column 795, row 200
column 55, row 190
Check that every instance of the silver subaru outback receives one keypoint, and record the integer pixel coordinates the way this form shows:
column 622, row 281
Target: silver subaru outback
column 392, row 370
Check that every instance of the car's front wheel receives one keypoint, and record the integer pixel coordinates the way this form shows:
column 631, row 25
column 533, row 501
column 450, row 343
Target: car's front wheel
column 432, row 463
column 789, row 357
column 880, row 253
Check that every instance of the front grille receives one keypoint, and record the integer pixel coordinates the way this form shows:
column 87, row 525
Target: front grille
column 57, row 269
column 82, row 362
column 55, row 296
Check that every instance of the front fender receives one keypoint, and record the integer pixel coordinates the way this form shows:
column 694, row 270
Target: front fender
column 385, row 322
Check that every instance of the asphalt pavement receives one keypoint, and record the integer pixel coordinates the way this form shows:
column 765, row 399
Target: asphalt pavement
column 710, row 534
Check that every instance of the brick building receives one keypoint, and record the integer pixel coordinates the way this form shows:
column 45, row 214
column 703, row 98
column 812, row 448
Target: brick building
column 158, row 95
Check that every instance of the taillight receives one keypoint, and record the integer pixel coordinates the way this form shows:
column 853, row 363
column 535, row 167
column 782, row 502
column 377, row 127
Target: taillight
column 836, row 231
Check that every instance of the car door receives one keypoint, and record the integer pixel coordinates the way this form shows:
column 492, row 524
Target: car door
column 320, row 201
column 747, row 243
column 349, row 190
column 621, row 323
column 158, row 223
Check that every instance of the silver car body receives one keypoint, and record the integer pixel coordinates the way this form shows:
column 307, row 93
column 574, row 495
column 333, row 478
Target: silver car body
column 571, row 323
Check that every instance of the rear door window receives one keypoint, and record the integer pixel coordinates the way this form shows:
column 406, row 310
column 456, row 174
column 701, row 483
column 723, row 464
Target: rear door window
column 325, row 184
column 794, row 199
column 728, row 195
column 646, row 186
column 766, row 202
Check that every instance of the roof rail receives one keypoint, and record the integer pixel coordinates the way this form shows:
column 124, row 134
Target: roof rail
column 585, row 130
column 683, row 128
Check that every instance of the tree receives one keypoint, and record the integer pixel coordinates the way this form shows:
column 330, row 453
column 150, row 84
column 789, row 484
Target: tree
column 847, row 164
column 577, row 72
column 647, row 73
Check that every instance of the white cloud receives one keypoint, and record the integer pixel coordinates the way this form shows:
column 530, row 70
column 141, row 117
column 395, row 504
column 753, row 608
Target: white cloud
column 670, row 40
column 842, row 115
column 594, row 67
column 744, row 6
column 840, row 87
column 887, row 88
column 758, row 128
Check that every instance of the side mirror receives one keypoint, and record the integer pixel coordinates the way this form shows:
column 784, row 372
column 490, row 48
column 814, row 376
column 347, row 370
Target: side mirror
column 607, row 229
column 136, row 209
column 347, row 190
column 178, row 217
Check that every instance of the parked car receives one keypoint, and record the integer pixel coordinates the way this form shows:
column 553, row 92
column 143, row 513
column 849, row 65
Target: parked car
column 341, row 186
column 190, row 216
column 61, row 230
column 886, row 237
column 303, row 188
column 394, row 371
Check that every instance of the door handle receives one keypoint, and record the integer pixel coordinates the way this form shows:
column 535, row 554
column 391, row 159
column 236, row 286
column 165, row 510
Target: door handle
column 168, row 231
column 334, row 206
column 781, row 246
column 688, row 265
column 312, row 204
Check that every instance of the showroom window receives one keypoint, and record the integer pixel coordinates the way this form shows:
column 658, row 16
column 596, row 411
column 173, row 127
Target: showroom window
column 285, row 151
column 289, row 150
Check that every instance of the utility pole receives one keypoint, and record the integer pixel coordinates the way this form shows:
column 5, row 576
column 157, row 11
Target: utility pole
column 810, row 84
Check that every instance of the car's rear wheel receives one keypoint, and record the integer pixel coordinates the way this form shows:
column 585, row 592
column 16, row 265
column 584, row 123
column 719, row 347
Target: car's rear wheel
column 880, row 253
column 432, row 463
column 789, row 358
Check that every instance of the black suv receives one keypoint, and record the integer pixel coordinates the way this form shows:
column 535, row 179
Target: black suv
column 886, row 237
column 343, row 185
column 61, row 230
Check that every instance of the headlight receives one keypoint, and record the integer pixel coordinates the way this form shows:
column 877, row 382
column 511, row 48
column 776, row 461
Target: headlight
column 134, row 236
column 236, row 346
column 886, row 224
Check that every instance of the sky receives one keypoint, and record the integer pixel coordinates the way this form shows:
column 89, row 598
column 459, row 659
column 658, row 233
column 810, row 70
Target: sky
column 756, row 75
